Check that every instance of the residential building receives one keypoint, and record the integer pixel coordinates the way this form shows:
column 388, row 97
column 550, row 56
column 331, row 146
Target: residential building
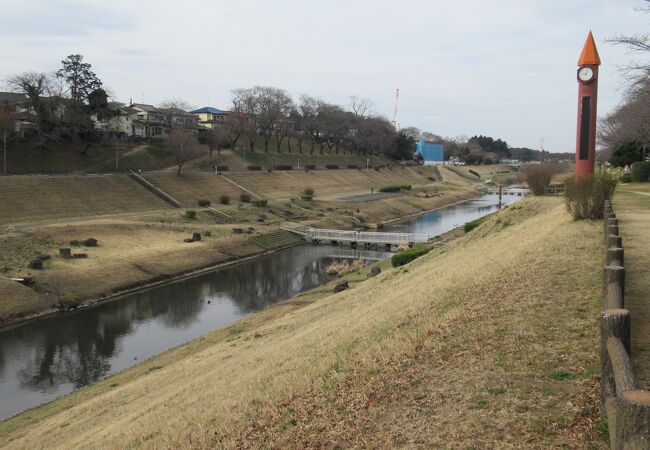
column 210, row 117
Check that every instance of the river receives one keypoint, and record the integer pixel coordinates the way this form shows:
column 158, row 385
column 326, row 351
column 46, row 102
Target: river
column 49, row 357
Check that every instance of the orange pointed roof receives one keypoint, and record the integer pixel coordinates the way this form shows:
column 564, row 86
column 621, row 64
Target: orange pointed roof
column 589, row 53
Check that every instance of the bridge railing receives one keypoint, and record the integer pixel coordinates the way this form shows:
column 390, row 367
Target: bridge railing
column 360, row 236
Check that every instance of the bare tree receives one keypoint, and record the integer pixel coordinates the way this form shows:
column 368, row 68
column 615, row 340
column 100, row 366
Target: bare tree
column 361, row 106
column 37, row 86
column 217, row 138
column 636, row 43
column 245, row 108
column 184, row 145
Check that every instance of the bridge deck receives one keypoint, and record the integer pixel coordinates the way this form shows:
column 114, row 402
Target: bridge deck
column 359, row 236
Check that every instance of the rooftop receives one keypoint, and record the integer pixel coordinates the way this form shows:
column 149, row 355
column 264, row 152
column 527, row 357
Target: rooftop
column 209, row 109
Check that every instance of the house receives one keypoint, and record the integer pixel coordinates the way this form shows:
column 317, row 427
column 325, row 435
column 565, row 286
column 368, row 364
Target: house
column 209, row 117
column 15, row 106
column 119, row 124
column 149, row 122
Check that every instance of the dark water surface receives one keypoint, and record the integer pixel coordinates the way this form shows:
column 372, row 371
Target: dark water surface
column 49, row 357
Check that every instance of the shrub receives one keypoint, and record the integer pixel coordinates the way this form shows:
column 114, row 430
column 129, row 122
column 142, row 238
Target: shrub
column 474, row 173
column 625, row 178
column 222, row 168
column 284, row 167
column 190, row 214
column 204, row 202
column 308, row 191
column 395, row 188
column 332, row 166
column 224, row 199
column 260, row 202
column 353, row 166
column 310, row 167
column 538, row 176
column 245, row 198
column 585, row 196
column 407, row 256
column 254, row 168
column 641, row 171
column 469, row 226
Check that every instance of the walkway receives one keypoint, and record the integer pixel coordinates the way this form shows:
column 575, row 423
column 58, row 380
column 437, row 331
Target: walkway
column 358, row 237
column 632, row 207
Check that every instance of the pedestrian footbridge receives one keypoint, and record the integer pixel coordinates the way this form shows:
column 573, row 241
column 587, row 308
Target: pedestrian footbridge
column 359, row 237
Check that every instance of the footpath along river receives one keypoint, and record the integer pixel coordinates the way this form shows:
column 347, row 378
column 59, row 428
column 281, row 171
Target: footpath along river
column 49, row 357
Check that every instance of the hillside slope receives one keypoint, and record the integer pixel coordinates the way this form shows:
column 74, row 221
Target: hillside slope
column 490, row 342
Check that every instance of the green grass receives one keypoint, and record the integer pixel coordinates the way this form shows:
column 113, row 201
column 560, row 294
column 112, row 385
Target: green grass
column 276, row 239
column 159, row 152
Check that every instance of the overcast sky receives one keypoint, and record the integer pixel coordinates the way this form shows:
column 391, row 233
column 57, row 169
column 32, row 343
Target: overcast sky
column 504, row 68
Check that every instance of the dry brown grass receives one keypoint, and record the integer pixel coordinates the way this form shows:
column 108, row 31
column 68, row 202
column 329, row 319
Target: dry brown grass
column 489, row 342
column 189, row 188
column 327, row 184
column 31, row 199
column 632, row 207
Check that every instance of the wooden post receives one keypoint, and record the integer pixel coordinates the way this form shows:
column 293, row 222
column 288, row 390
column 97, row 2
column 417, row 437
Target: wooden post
column 614, row 297
column 619, row 358
column 612, row 274
column 196, row 236
column 613, row 323
column 612, row 229
column 615, row 256
column 631, row 414
column 614, row 241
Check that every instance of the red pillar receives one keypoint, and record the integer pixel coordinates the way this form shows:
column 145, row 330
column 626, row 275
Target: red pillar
column 587, row 100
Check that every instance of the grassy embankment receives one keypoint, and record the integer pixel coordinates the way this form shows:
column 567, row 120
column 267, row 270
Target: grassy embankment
column 489, row 342
column 143, row 248
column 632, row 207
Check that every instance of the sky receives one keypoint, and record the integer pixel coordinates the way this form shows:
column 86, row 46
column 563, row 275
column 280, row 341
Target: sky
column 503, row 68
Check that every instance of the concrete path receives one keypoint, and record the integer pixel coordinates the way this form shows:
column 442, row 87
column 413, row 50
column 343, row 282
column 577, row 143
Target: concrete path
column 632, row 207
column 369, row 197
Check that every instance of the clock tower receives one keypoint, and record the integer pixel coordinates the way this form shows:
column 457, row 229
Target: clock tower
column 587, row 95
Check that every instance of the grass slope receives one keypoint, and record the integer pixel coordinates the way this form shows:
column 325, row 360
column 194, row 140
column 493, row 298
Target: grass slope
column 490, row 342
column 27, row 199
column 632, row 207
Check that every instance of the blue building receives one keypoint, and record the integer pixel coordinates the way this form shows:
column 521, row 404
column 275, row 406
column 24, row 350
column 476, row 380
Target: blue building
column 432, row 154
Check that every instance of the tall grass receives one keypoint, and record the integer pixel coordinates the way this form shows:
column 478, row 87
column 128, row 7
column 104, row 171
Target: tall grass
column 585, row 196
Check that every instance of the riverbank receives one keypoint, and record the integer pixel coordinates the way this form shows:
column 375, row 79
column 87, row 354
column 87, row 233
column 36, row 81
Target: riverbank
column 489, row 341
column 140, row 251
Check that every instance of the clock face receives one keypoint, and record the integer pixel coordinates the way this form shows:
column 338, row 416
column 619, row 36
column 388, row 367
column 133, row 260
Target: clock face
column 586, row 74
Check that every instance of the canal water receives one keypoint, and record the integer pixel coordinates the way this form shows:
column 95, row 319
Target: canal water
column 49, row 357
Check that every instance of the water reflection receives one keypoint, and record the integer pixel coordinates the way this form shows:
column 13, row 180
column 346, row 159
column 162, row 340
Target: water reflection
column 54, row 355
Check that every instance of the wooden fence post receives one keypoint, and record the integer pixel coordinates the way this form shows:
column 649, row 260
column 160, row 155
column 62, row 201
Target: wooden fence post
column 614, row 297
column 612, row 274
column 612, row 229
column 632, row 421
column 615, row 256
column 613, row 323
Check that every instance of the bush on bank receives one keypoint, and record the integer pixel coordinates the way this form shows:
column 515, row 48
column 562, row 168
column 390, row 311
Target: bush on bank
column 585, row 196
column 407, row 256
column 469, row 226
column 395, row 188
